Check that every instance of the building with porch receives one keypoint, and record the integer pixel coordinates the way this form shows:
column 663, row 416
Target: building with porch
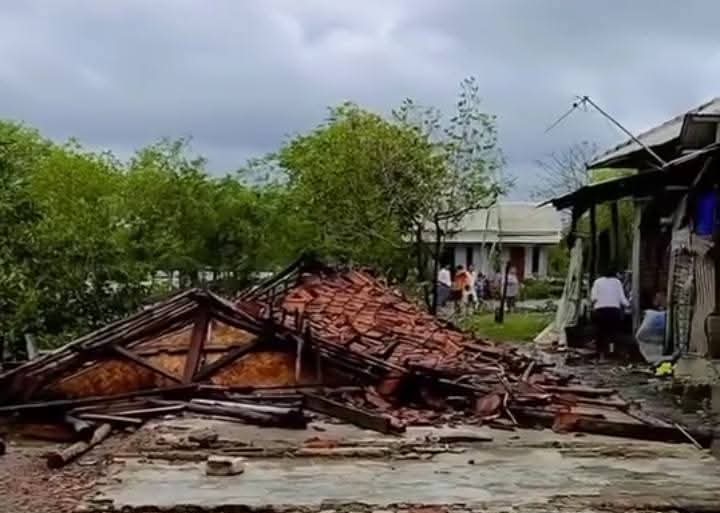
column 519, row 232
column 674, row 187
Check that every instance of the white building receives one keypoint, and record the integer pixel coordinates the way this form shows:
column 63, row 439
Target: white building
column 519, row 232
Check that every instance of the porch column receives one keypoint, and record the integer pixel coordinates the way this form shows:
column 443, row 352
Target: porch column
column 543, row 261
column 593, row 244
column 528, row 261
column 615, row 220
column 477, row 257
column 459, row 255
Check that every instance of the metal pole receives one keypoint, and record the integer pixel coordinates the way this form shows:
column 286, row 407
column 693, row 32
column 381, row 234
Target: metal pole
column 586, row 99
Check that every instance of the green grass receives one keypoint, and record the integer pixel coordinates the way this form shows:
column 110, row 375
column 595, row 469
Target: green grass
column 518, row 327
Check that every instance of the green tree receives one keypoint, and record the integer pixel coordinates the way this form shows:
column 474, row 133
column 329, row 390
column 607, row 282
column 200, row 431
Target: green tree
column 469, row 177
column 354, row 186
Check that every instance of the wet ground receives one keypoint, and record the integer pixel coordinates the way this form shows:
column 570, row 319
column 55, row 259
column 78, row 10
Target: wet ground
column 526, row 470
column 521, row 471
column 659, row 396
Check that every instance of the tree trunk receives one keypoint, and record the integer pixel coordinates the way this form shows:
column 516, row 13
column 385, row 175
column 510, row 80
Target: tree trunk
column 500, row 315
column 437, row 249
column 421, row 265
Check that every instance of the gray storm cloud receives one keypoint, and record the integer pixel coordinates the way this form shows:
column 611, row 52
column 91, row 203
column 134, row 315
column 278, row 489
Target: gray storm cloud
column 240, row 77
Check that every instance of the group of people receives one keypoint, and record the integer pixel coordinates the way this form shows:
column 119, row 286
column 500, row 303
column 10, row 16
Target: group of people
column 467, row 288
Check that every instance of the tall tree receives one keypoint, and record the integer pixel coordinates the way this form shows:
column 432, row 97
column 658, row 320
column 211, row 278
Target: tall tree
column 565, row 171
column 354, row 183
column 470, row 176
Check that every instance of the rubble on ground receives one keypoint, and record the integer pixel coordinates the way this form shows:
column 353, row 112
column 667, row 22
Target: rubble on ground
column 314, row 341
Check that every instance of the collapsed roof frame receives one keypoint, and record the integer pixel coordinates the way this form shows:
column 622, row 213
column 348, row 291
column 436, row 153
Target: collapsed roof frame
column 196, row 308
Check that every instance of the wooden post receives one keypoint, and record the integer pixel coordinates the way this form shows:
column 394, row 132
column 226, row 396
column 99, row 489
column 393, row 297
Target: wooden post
column 500, row 314
column 636, row 257
column 615, row 220
column 593, row 243
column 129, row 355
column 197, row 343
column 298, row 358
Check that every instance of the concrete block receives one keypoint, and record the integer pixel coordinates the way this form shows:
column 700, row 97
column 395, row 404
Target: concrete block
column 203, row 437
column 224, row 466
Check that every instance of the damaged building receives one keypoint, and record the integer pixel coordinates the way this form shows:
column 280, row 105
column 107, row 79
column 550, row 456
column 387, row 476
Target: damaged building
column 674, row 190
column 313, row 340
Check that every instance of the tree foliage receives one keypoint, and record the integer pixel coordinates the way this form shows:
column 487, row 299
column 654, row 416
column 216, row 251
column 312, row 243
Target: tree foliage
column 86, row 237
column 566, row 171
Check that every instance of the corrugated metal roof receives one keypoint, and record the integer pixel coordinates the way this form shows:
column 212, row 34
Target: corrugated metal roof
column 657, row 136
column 674, row 172
column 519, row 222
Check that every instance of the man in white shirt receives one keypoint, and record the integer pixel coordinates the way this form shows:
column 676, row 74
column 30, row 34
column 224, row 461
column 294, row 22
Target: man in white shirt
column 444, row 282
column 608, row 301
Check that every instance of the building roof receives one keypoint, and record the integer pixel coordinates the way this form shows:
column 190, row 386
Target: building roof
column 622, row 154
column 511, row 222
column 678, row 173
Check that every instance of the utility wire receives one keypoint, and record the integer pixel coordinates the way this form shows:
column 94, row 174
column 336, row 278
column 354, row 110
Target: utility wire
column 584, row 101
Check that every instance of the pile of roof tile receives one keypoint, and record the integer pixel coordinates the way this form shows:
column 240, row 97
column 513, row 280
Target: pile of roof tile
column 438, row 373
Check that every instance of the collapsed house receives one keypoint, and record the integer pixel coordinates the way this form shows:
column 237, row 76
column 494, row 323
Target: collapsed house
column 334, row 342
column 673, row 188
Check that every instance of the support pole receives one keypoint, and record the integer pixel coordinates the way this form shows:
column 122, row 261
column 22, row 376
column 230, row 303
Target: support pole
column 593, row 243
column 197, row 343
column 636, row 255
column 500, row 314
column 615, row 220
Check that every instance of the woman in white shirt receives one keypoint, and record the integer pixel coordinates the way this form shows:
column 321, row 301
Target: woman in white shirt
column 608, row 300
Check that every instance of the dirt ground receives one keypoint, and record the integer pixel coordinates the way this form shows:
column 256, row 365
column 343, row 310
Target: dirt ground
column 27, row 485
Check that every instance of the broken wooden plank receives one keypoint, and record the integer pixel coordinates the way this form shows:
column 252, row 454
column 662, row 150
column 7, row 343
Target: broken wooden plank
column 139, row 360
column 197, row 342
column 151, row 412
column 81, row 427
column 260, row 408
column 351, row 414
column 57, row 459
column 211, row 368
column 111, row 419
column 630, row 428
column 578, row 390
column 291, row 420
column 85, row 401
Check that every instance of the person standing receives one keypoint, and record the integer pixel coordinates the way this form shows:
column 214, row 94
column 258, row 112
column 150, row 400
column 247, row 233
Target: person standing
column 513, row 289
column 472, row 296
column 444, row 283
column 460, row 287
column 608, row 300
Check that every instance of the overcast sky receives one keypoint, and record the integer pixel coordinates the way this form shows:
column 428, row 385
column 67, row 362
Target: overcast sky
column 240, row 76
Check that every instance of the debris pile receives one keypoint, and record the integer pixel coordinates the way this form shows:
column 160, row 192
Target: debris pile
column 339, row 343
column 436, row 372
